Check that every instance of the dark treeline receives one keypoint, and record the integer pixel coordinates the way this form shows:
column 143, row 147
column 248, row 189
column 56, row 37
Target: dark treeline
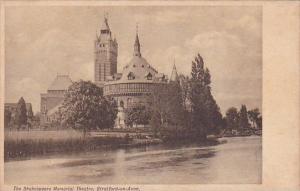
column 186, row 109
column 242, row 122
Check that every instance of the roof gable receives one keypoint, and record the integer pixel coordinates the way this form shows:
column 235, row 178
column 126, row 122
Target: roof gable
column 61, row 82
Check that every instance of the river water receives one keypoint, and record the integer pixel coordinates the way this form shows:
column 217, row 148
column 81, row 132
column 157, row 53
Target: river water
column 236, row 160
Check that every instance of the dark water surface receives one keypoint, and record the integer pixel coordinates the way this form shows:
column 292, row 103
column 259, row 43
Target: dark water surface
column 238, row 160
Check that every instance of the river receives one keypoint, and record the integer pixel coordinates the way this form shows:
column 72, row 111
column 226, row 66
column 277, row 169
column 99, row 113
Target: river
column 235, row 160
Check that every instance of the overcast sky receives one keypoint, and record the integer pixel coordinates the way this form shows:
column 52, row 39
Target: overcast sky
column 42, row 42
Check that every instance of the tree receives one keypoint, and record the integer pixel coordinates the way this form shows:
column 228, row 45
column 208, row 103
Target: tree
column 254, row 117
column 243, row 118
column 138, row 115
column 259, row 122
column 85, row 108
column 167, row 110
column 232, row 118
column 158, row 107
column 7, row 118
column 21, row 113
column 175, row 107
column 29, row 113
column 205, row 113
column 185, row 89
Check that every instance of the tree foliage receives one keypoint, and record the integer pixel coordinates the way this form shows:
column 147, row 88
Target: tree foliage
column 205, row 113
column 167, row 110
column 86, row 108
column 139, row 114
column 21, row 113
column 243, row 118
column 7, row 118
column 255, row 118
column 239, row 120
column 29, row 113
column 232, row 118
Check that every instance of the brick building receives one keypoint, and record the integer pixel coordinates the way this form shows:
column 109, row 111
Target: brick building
column 52, row 100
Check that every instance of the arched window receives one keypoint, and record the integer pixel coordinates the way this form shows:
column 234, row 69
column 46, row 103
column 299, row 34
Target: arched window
column 131, row 76
column 121, row 103
column 149, row 76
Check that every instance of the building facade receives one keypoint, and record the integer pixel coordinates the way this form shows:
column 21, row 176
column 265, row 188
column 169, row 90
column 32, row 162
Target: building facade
column 52, row 100
column 133, row 85
column 106, row 54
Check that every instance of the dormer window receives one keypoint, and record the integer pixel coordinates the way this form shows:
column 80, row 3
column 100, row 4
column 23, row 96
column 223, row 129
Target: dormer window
column 130, row 76
column 149, row 76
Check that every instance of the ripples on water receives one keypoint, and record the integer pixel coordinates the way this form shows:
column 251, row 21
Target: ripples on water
column 237, row 161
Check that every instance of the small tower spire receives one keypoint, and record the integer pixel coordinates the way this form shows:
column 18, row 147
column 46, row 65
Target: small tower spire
column 174, row 74
column 137, row 46
column 105, row 27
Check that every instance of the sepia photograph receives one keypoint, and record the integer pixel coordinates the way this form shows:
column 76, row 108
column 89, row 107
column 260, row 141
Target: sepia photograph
column 133, row 95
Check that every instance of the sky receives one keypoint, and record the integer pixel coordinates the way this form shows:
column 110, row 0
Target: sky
column 41, row 42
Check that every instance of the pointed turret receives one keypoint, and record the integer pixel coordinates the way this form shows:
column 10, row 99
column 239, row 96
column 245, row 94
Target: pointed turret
column 105, row 32
column 174, row 74
column 137, row 46
column 105, row 26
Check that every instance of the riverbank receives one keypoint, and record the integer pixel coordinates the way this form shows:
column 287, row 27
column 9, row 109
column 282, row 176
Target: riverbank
column 19, row 145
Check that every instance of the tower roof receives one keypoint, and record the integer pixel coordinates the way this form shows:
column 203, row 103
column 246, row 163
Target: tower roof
column 174, row 74
column 137, row 45
column 105, row 25
column 61, row 82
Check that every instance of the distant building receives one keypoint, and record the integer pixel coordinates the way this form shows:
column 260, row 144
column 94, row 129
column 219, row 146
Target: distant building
column 52, row 100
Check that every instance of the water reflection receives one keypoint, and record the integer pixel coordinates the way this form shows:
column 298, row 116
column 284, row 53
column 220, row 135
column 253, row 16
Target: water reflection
column 239, row 159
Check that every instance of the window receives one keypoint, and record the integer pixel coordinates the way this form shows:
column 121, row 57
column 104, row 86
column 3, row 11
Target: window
column 121, row 103
column 130, row 76
column 129, row 102
column 149, row 76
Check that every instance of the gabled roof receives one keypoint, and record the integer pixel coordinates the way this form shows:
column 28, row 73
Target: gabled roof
column 61, row 82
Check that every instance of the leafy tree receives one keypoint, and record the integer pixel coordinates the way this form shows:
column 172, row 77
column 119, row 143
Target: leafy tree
column 232, row 118
column 158, row 107
column 7, row 118
column 29, row 113
column 205, row 113
column 21, row 113
column 175, row 106
column 86, row 108
column 138, row 115
column 185, row 89
column 243, row 118
column 167, row 111
column 259, row 122
column 254, row 117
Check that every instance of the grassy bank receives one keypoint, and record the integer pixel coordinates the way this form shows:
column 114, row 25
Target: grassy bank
column 26, row 144
column 23, row 144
